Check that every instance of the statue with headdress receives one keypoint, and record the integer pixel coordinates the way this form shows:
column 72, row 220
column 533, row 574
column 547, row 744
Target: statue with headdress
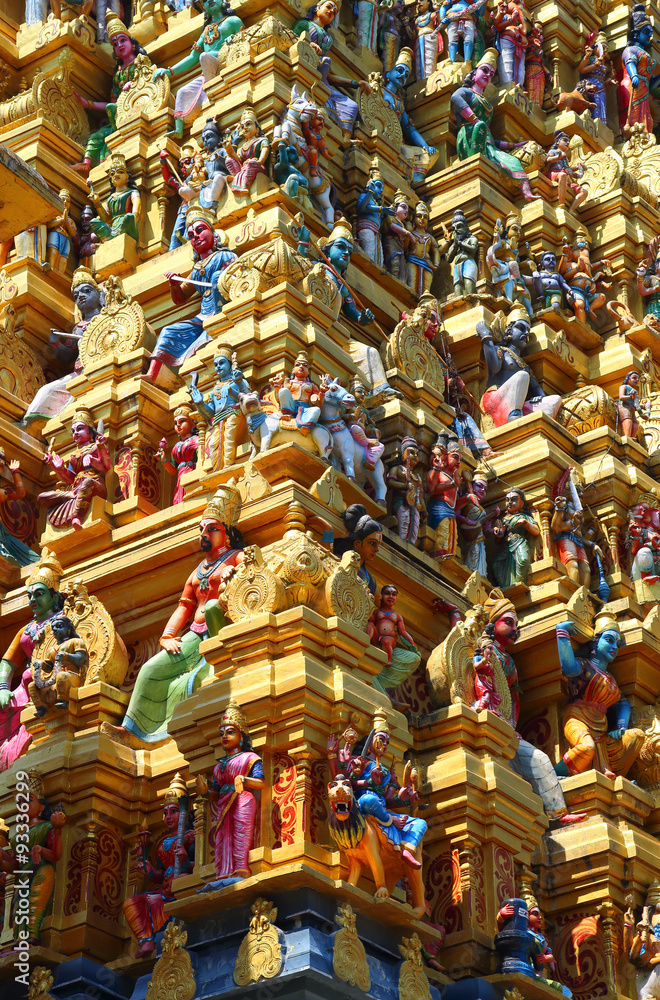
column 184, row 452
column 62, row 670
column 461, row 250
column 641, row 943
column 644, row 544
column 178, row 341
column 504, row 261
column 172, row 855
column 236, row 778
column 513, row 390
column 121, row 212
column 597, row 717
column 12, row 549
column 640, row 72
column 89, row 300
column 474, row 666
column 584, row 277
column 474, row 115
column 406, row 488
column 570, row 536
column 250, row 158
column 423, row 254
column 370, row 211
column 84, row 473
column 221, row 408
column 34, row 859
column 179, row 669
column 415, row 148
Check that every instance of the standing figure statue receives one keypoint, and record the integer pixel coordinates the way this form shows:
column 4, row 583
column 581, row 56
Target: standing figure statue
column 221, row 408
column 516, row 533
column 178, row 341
column 122, row 211
column 569, row 534
column 61, row 233
column 629, row 405
column 251, row 157
column 370, row 211
column 366, row 24
column 474, row 115
column 428, row 41
column 179, row 669
column 461, row 250
column 396, row 237
column 88, row 241
column 236, row 778
column 443, row 483
column 596, row 69
column 407, row 490
column 13, row 550
column 503, row 259
column 125, row 49
column 396, row 80
column 423, row 255
column 395, row 31
column 585, row 279
column 641, row 944
column 549, row 285
column 640, row 77
column 597, row 717
column 174, row 854
column 184, row 452
column 178, row 179
column 648, row 279
column 474, row 521
column 513, row 390
column 387, row 629
column 561, row 173
column 220, row 24
column 536, row 74
column 342, row 109
column 84, row 474
column 510, row 40
column 460, row 18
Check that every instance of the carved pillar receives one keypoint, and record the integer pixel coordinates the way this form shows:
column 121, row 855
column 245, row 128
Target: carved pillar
column 609, row 915
column 89, row 865
column 162, row 210
column 556, row 60
column 467, row 861
column 7, row 935
column 304, row 759
column 201, row 840
column 546, row 509
column 613, row 525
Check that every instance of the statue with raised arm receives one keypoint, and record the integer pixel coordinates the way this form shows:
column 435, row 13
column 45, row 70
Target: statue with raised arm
column 221, row 408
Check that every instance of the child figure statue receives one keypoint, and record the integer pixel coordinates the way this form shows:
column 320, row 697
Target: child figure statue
column 62, row 670
column 236, row 777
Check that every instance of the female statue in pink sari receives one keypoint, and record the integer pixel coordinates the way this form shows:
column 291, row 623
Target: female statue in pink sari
column 236, row 777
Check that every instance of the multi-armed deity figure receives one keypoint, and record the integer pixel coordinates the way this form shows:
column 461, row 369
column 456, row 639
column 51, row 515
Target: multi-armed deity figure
column 173, row 854
column 461, row 250
column 474, row 115
column 236, row 777
column 503, row 259
column 597, row 718
column 221, row 408
column 84, row 473
column 584, row 277
column 179, row 341
column 512, row 389
column 178, row 669
column 220, row 24
column 640, row 77
column 596, row 69
column 570, row 537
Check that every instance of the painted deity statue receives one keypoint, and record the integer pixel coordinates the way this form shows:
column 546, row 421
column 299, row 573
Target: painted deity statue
column 396, row 237
column 221, row 408
column 427, row 39
column 178, row 179
column 395, row 31
column 45, row 604
column 179, row 669
column 597, row 717
column 585, row 278
column 512, row 390
column 460, row 18
column 62, row 671
column 370, row 212
column 84, row 474
column 549, row 285
column 35, row 867
column 88, row 241
column 360, row 423
column 644, row 540
column 640, row 80
column 178, row 341
column 561, row 173
column 12, row 549
column 122, row 211
column 62, row 233
column 474, row 115
column 500, row 634
column 423, row 257
column 386, row 629
column 516, row 533
column 473, row 522
column 503, row 259
column 251, row 157
column 184, row 452
column 220, row 24
column 596, row 68
column 395, row 81
column 536, row 74
column 125, row 49
column 443, row 483
column 207, row 179
column 569, row 534
column 519, row 947
column 89, row 300
column 641, row 944
column 510, row 40
column 648, row 279
column 236, row 778
column 461, row 250
column 366, row 24
column 629, row 405
column 299, row 398
column 406, row 488
column 342, row 109
column 364, row 536
column 173, row 855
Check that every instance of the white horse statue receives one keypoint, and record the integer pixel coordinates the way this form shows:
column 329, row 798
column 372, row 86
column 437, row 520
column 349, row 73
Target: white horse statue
column 301, row 111
column 348, row 455
column 262, row 427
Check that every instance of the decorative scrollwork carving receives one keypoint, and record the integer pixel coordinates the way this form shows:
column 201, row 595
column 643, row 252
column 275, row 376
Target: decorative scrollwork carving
column 413, row 984
column 253, row 589
column 260, row 954
column 376, row 115
column 20, row 371
column 349, row 959
column 173, row 977
column 147, row 93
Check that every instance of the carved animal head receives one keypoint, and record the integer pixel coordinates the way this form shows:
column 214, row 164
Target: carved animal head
column 347, row 824
column 249, row 402
column 335, row 394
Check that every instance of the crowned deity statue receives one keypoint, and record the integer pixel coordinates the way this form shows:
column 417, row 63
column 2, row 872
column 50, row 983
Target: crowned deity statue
column 596, row 69
column 510, row 40
column 12, row 549
column 641, row 79
column 370, row 212
column 423, row 255
column 184, row 452
column 122, row 211
column 461, row 250
column 406, row 488
column 179, row 669
column 395, row 81
column 221, row 408
column 251, row 157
